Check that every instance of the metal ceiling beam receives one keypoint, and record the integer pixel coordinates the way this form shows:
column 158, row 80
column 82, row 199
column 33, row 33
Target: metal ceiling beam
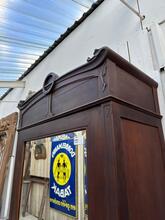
column 12, row 84
column 35, row 17
column 50, row 10
column 21, row 45
column 8, row 75
column 2, row 73
column 8, row 46
column 11, row 68
column 27, row 33
column 37, row 28
column 8, row 59
column 12, row 78
column 24, row 42
column 9, row 78
column 18, row 53
column 16, row 63
column 19, row 35
column 10, row 71
column 35, row 25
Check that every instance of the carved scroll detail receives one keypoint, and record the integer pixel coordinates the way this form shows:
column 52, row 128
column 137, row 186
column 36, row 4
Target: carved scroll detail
column 102, row 77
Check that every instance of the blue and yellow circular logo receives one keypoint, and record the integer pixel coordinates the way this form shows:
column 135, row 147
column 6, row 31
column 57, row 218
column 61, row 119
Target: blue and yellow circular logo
column 62, row 169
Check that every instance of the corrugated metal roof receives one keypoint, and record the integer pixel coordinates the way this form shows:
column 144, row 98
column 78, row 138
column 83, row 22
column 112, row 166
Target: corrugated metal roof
column 30, row 30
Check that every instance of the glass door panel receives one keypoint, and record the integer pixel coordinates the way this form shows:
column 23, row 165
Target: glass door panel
column 55, row 178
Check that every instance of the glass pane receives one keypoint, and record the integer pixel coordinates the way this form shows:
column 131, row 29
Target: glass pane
column 55, row 178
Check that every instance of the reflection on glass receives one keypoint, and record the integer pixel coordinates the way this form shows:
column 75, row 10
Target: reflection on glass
column 55, row 178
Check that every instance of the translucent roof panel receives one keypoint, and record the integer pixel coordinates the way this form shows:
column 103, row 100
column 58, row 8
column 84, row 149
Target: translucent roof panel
column 29, row 27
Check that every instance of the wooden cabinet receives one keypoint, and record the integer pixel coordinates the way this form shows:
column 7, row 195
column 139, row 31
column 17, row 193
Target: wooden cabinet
column 117, row 105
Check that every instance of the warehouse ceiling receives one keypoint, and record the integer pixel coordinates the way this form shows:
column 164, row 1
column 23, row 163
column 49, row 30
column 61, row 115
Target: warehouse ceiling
column 29, row 27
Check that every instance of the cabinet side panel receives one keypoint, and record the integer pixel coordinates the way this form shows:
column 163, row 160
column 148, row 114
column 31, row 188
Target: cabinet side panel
column 131, row 89
column 144, row 171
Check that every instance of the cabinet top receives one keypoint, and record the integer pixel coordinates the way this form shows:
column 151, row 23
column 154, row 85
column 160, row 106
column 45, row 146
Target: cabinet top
column 104, row 75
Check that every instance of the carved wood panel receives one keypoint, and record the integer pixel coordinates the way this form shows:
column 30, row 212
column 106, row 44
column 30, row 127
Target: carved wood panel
column 7, row 133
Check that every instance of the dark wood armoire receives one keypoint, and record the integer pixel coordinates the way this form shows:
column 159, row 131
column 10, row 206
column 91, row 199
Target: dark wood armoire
column 117, row 104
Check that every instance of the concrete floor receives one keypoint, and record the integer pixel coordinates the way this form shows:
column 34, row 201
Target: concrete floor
column 28, row 217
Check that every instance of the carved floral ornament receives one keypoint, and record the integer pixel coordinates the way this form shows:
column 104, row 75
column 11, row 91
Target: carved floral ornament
column 4, row 125
column 4, row 131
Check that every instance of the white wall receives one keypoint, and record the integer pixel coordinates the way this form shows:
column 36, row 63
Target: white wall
column 153, row 10
column 111, row 24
